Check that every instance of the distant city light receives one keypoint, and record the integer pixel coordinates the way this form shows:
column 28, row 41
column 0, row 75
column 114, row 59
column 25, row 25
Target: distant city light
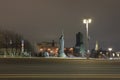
column 100, row 52
column 41, row 49
column 51, row 51
column 57, row 49
column 113, row 54
column 118, row 55
column 71, row 49
column 109, row 49
column 48, row 49
column 107, row 53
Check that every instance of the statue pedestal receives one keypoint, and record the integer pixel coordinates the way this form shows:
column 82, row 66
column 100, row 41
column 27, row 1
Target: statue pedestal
column 61, row 55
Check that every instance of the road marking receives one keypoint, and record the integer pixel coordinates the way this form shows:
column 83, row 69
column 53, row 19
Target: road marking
column 59, row 75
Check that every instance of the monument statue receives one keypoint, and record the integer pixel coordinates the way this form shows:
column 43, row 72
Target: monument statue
column 79, row 46
column 61, row 47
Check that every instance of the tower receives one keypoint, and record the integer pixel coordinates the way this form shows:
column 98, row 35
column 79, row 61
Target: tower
column 96, row 46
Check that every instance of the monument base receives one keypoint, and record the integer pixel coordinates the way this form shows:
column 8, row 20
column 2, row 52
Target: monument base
column 61, row 55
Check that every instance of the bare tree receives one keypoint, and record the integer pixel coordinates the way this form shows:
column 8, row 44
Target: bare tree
column 12, row 40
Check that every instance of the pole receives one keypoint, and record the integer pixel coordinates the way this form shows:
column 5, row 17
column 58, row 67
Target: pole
column 87, row 40
column 87, row 21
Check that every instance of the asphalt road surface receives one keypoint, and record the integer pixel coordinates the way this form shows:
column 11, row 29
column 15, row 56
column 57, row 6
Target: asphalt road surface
column 58, row 69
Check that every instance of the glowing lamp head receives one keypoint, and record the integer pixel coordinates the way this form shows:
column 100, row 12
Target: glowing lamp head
column 113, row 54
column 118, row 55
column 109, row 49
column 89, row 20
column 84, row 21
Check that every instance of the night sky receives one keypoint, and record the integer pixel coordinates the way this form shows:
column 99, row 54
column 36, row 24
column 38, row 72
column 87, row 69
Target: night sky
column 43, row 20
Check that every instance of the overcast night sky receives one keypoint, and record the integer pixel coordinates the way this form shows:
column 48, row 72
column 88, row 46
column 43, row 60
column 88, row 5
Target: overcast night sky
column 43, row 20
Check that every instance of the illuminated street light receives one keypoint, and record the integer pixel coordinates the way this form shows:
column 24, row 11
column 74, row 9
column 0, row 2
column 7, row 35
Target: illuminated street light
column 118, row 55
column 110, row 49
column 71, row 49
column 113, row 54
column 48, row 49
column 100, row 52
column 87, row 21
column 51, row 51
column 41, row 50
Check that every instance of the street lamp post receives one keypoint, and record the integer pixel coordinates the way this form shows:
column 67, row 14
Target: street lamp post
column 86, row 22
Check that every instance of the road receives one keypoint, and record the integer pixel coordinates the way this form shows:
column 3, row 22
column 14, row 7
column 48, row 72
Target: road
column 57, row 69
